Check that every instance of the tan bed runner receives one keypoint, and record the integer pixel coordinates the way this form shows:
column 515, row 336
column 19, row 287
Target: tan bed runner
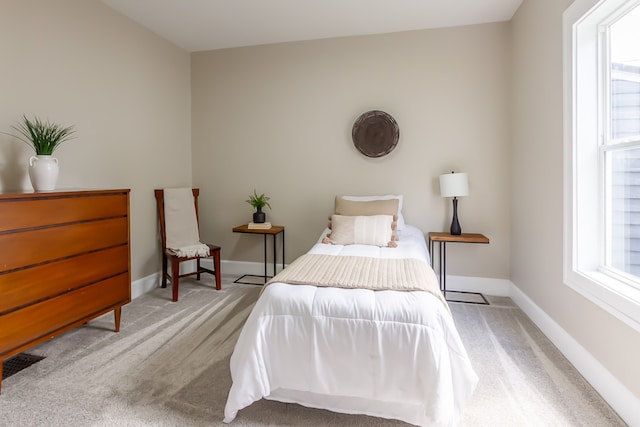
column 351, row 272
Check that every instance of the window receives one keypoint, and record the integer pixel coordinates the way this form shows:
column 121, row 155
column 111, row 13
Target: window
column 602, row 154
column 621, row 145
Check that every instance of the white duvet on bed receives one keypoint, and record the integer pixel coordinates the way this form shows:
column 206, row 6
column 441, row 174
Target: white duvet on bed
column 390, row 354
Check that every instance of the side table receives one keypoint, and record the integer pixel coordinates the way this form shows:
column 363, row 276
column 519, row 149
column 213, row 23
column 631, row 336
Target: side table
column 443, row 239
column 273, row 231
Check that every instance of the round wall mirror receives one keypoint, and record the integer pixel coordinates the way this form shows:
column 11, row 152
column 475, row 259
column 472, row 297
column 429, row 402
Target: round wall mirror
column 375, row 133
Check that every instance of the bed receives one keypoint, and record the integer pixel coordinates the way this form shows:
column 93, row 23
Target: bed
column 388, row 353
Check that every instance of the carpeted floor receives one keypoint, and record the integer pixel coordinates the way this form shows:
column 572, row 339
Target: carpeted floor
column 169, row 366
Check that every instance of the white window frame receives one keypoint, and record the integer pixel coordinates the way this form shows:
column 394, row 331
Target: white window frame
column 584, row 245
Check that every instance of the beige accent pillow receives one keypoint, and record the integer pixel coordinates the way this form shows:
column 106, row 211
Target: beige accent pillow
column 401, row 223
column 370, row 207
column 394, row 227
column 372, row 230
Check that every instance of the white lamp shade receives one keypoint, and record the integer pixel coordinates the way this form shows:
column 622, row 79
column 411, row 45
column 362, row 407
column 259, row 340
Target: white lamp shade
column 454, row 185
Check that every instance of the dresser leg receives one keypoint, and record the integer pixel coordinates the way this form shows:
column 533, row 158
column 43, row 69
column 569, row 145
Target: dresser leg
column 116, row 315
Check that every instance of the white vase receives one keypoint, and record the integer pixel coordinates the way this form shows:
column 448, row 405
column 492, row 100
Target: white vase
column 43, row 171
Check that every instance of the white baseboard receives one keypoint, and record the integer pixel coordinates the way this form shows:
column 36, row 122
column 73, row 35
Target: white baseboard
column 238, row 268
column 484, row 285
column 620, row 398
column 142, row 286
column 233, row 268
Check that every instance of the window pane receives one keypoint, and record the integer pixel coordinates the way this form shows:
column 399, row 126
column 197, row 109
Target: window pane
column 625, row 76
column 625, row 210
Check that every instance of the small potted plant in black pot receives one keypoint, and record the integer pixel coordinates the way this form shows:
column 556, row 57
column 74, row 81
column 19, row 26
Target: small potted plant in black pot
column 258, row 202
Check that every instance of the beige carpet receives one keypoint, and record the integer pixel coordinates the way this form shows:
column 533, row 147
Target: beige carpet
column 169, row 366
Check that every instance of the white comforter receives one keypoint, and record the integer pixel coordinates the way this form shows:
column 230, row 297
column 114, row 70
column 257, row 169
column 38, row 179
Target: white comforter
column 389, row 354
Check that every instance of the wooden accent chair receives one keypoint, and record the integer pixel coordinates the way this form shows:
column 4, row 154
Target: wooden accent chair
column 168, row 254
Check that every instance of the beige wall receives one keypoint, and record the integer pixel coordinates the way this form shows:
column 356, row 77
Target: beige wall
column 536, row 197
column 278, row 118
column 77, row 62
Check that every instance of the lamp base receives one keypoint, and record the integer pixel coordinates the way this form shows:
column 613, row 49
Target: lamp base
column 455, row 225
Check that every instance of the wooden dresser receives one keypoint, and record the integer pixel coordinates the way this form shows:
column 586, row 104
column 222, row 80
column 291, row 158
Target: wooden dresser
column 64, row 260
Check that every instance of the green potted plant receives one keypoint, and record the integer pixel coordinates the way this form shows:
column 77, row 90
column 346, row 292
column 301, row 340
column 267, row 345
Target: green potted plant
column 43, row 138
column 258, row 202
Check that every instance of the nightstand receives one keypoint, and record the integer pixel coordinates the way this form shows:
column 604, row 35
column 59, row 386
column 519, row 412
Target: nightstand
column 442, row 239
column 273, row 231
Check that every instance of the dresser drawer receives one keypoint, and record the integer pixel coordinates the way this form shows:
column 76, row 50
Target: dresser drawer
column 21, row 327
column 23, row 287
column 37, row 246
column 17, row 214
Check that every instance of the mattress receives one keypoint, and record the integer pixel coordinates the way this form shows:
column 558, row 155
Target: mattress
column 389, row 354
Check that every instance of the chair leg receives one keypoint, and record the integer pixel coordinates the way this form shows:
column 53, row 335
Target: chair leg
column 165, row 278
column 198, row 269
column 175, row 276
column 216, row 265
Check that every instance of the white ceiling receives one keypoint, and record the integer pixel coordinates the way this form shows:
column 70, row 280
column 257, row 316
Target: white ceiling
column 197, row 25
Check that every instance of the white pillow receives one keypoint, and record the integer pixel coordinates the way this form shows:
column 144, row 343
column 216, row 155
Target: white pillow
column 401, row 223
column 372, row 230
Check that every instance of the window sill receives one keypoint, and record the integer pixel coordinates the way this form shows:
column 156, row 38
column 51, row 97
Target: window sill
column 617, row 298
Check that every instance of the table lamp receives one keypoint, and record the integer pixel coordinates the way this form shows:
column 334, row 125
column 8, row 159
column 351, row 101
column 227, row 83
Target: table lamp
column 454, row 185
